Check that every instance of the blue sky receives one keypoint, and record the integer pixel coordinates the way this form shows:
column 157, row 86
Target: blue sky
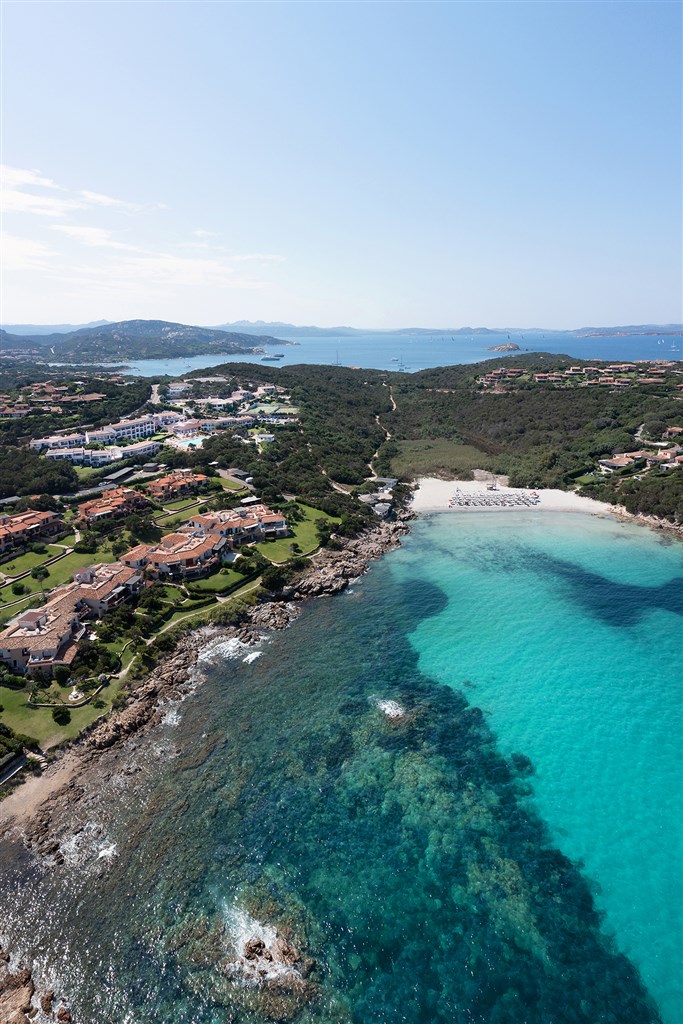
column 388, row 164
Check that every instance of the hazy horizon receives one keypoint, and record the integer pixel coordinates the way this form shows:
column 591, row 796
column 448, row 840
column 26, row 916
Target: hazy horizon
column 226, row 325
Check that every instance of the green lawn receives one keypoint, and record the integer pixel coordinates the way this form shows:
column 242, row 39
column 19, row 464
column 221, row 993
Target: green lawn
column 38, row 722
column 69, row 540
column 85, row 473
column 8, row 613
column 230, row 485
column 304, row 534
column 180, row 503
column 24, row 563
column 219, row 582
column 61, row 571
column 180, row 517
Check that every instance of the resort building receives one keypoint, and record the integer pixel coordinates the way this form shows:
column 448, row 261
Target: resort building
column 166, row 417
column 21, row 529
column 173, row 485
column 186, row 428
column 615, row 463
column 103, row 456
column 41, row 639
column 178, row 555
column 135, row 429
column 119, row 501
column 242, row 525
column 218, row 422
column 100, row 588
column 58, row 441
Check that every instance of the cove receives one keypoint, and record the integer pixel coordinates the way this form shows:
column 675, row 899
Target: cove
column 420, row 870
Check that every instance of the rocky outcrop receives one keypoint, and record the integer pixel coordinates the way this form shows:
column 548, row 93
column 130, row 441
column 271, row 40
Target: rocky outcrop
column 19, row 1000
column 653, row 522
column 330, row 572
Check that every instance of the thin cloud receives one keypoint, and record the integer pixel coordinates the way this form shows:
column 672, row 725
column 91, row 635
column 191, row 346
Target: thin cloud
column 19, row 195
column 94, row 237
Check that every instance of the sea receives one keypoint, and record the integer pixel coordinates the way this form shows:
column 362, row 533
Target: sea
column 454, row 788
column 408, row 353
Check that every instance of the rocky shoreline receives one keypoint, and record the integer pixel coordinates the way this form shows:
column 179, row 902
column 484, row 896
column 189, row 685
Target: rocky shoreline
column 652, row 522
column 330, row 572
column 21, row 1002
column 64, row 789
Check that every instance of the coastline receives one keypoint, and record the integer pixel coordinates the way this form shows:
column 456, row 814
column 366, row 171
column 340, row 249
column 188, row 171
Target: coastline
column 432, row 493
column 48, row 809
column 32, row 811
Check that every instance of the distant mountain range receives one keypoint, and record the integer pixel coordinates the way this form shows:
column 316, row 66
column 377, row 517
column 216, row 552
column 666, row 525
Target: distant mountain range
column 284, row 330
column 34, row 329
column 134, row 339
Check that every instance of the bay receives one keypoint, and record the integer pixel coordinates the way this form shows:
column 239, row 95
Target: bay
column 395, row 784
column 418, row 352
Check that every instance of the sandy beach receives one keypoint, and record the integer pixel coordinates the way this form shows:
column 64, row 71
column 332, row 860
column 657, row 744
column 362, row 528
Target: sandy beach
column 433, row 495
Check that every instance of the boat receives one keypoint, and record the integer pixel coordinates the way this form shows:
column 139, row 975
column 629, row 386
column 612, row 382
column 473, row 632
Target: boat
column 394, row 359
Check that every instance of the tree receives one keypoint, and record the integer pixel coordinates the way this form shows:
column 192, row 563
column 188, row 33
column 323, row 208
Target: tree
column 61, row 715
column 274, row 577
column 39, row 572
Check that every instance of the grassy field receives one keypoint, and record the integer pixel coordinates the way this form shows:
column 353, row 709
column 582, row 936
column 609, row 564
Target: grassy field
column 219, row 582
column 230, row 485
column 304, row 534
column 85, row 473
column 173, row 506
column 38, row 722
column 24, row 563
column 60, row 572
column 441, row 455
column 178, row 518
column 8, row 612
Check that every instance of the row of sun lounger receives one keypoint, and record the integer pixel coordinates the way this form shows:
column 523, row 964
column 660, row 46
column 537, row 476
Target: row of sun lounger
column 492, row 500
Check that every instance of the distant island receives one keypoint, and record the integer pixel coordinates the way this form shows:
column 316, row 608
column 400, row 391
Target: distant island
column 509, row 347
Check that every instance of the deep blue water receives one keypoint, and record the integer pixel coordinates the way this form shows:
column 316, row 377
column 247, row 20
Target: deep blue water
column 505, row 851
column 390, row 351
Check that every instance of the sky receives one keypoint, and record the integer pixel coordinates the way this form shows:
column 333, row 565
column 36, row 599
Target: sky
column 370, row 164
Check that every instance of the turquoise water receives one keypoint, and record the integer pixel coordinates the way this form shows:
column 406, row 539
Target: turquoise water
column 417, row 352
column 578, row 662
column 419, row 863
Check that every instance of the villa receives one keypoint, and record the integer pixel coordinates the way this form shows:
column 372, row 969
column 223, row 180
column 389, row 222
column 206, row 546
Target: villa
column 25, row 527
column 184, row 555
column 118, row 501
column 41, row 639
column 173, row 485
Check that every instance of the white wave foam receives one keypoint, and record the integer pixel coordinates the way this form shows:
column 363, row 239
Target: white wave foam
column 252, row 657
column 391, row 708
column 228, row 649
column 242, row 929
column 108, row 852
column 172, row 717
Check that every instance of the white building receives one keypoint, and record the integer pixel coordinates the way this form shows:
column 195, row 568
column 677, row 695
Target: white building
column 58, row 441
column 135, row 429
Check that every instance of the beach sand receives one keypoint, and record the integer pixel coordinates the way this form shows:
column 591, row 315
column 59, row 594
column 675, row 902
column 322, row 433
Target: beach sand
column 432, row 495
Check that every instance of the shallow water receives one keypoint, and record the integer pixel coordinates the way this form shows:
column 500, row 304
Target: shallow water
column 353, row 790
